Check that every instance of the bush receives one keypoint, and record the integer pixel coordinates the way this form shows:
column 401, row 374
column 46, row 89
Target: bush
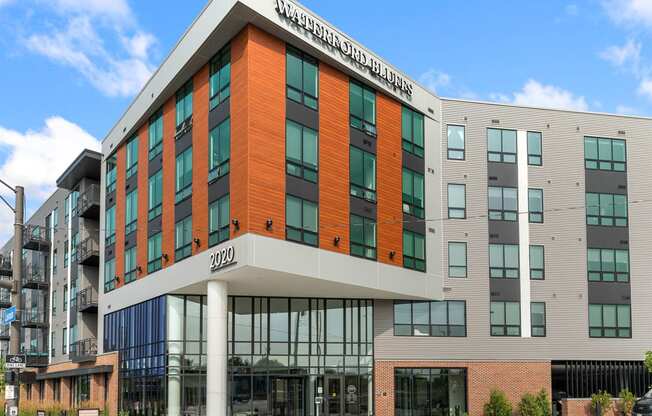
column 529, row 406
column 627, row 400
column 648, row 361
column 498, row 405
column 544, row 403
column 601, row 401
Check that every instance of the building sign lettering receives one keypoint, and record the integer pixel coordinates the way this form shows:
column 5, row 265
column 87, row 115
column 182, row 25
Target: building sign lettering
column 222, row 258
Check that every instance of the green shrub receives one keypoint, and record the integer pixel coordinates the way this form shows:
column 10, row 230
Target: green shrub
column 601, row 401
column 627, row 400
column 498, row 405
column 529, row 406
column 544, row 403
column 648, row 361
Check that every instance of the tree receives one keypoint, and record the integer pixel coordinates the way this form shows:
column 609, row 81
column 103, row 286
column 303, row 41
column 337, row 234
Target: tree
column 648, row 361
column 601, row 401
column 544, row 403
column 498, row 405
column 627, row 401
column 529, row 406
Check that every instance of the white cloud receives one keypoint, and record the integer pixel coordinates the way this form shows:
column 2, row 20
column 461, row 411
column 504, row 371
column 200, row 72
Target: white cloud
column 434, row 80
column 628, row 55
column 113, row 9
column 572, row 9
column 625, row 110
column 629, row 12
column 5, row 2
column 645, row 88
column 536, row 94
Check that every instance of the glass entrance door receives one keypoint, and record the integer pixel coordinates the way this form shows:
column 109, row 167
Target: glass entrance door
column 287, row 396
column 333, row 396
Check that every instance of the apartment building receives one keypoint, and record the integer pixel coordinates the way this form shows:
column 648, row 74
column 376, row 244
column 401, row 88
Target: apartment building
column 60, row 275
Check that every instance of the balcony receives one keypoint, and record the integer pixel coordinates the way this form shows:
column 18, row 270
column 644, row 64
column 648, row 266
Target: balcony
column 87, row 300
column 34, row 277
column 88, row 252
column 5, row 266
column 5, row 331
column 36, row 237
column 33, row 318
column 36, row 358
column 84, row 350
column 88, row 205
column 5, row 298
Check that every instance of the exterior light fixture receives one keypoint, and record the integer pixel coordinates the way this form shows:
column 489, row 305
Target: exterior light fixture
column 268, row 224
column 197, row 242
column 235, row 223
column 336, row 241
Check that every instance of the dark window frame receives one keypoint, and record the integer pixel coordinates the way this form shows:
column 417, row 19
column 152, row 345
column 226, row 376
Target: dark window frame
column 455, row 208
column 408, row 143
column 155, row 136
column 156, row 210
column 451, row 150
column 362, row 245
column 534, row 159
column 304, row 96
column 361, row 190
column 220, row 62
column 504, row 157
column 221, row 233
column 603, row 328
column 540, row 270
column 185, row 192
column 154, row 264
column 303, row 231
column 303, row 170
column 360, row 123
column 131, row 274
column 219, row 168
column 430, row 324
column 182, row 251
column 183, row 94
column 414, row 262
column 131, row 148
column 411, row 207
column 602, row 273
column 502, row 214
column 544, row 326
column 505, row 326
column 603, row 220
column 503, row 269
column 535, row 217
column 598, row 163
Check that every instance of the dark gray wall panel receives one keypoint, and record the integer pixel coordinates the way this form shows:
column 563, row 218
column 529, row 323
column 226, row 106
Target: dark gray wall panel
column 502, row 174
column 219, row 114
column 610, row 293
column 301, row 114
column 131, row 183
column 155, row 164
column 109, row 252
column 607, row 237
column 413, row 162
column 217, row 189
column 154, row 226
column 130, row 240
column 507, row 290
column 363, row 141
column 363, row 208
column 600, row 181
column 503, row 232
column 183, row 142
column 302, row 189
column 183, row 209
column 414, row 224
column 110, row 199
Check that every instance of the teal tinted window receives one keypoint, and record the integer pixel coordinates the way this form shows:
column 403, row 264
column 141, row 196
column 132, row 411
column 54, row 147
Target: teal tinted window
column 535, row 205
column 534, row 148
column 501, row 145
column 363, row 174
column 131, row 265
column 184, row 106
column 505, row 319
column 154, row 253
column 110, row 176
column 362, row 105
column 302, row 78
column 413, row 193
column 412, row 128
column 503, row 203
column 301, row 151
column 610, row 321
column 109, row 276
column 132, row 156
column 220, row 79
column 363, row 237
column 184, row 175
column 183, row 239
column 220, row 150
column 537, row 263
column 607, row 265
column 131, row 211
column 218, row 221
column 457, row 259
column 606, row 209
column 456, row 139
column 436, row 319
column 456, row 201
column 414, row 251
column 155, row 134
column 503, row 261
column 301, row 220
column 155, row 194
column 110, row 225
column 605, row 154
column 538, row 319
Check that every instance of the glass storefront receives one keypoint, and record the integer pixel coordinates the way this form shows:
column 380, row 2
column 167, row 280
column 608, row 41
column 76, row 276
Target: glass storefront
column 430, row 391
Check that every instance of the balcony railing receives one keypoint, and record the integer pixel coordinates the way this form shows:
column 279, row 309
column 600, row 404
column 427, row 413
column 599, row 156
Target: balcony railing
column 5, row 266
column 87, row 300
column 33, row 318
column 84, row 350
column 88, row 205
column 36, row 237
column 35, row 357
column 5, row 298
column 4, row 332
column 34, row 277
column 88, row 252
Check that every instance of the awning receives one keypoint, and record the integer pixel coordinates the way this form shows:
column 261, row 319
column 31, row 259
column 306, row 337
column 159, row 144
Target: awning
column 84, row 371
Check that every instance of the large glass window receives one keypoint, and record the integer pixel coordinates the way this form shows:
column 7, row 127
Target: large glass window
column 220, row 80
column 154, row 253
column 414, row 251
column 220, row 150
column 301, row 151
column 606, row 209
column 537, row 263
column 109, row 276
column 218, row 221
column 412, row 128
column 501, row 145
column 413, row 193
column 538, row 319
column 535, row 205
column 131, row 265
column 184, row 175
column 363, row 174
column 435, row 319
column 111, row 171
column 503, row 203
column 363, row 237
column 456, row 139
column 505, row 319
column 132, row 156
column 183, row 239
column 534, row 148
column 184, row 106
column 456, row 259
column 155, row 134
column 362, row 104
column 110, row 226
column 608, row 265
column 456, row 201
column 605, row 154
column 302, row 78
column 610, row 321
column 131, row 212
column 301, row 220
column 503, row 261
column 430, row 391
column 155, row 195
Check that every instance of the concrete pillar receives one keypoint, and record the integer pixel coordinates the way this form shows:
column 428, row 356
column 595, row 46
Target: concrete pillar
column 175, row 335
column 216, row 323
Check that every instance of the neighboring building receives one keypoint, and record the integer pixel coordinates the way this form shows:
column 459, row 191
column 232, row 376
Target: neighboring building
column 60, row 276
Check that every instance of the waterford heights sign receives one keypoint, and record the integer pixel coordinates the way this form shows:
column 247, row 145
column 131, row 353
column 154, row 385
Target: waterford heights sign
column 327, row 35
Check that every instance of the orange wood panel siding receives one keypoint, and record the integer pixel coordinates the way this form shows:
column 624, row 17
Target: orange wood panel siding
column 143, row 198
column 200, row 159
column 120, row 196
column 389, row 180
column 239, row 169
column 169, row 166
column 333, row 159
column 266, row 133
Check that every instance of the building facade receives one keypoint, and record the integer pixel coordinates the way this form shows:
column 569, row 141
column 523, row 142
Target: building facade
column 289, row 225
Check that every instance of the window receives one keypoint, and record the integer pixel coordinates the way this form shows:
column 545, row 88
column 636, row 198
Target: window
column 110, row 176
column 605, row 154
column 218, row 221
column 184, row 106
column 363, row 237
column 412, row 131
column 505, row 319
column 55, row 261
column 154, row 253
column 73, row 244
column 362, row 105
column 610, row 321
column 503, row 261
column 301, row 151
column 537, row 263
column 55, row 219
column 220, row 80
column 155, row 195
column 456, row 201
column 503, row 204
column 534, row 148
column 183, row 239
column 430, row 391
column 302, row 78
column 65, row 297
column 184, row 175
column 606, row 209
column 54, row 302
column 66, row 209
column 538, row 319
column 131, row 212
column 110, row 225
column 64, row 341
column 456, row 137
column 535, row 205
column 436, row 319
column 155, row 134
column 413, row 193
column 66, row 253
column 608, row 265
column 74, row 199
column 220, row 150
column 414, row 251
column 456, row 259
column 501, row 145
column 131, row 265
column 109, row 275
column 363, row 174
column 301, row 220
column 53, row 350
column 132, row 156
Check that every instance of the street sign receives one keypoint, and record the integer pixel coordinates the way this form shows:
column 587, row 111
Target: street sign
column 10, row 392
column 15, row 361
column 9, row 315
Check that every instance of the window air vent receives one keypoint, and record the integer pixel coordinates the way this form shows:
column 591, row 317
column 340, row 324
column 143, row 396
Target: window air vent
column 493, row 178
column 621, row 132
column 622, row 186
column 495, row 293
column 624, row 242
column 495, row 121
column 494, row 235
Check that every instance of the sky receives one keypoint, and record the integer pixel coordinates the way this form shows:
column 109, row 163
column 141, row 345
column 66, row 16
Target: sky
column 69, row 68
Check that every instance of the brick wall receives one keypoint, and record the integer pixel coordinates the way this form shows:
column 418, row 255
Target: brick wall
column 514, row 378
column 582, row 407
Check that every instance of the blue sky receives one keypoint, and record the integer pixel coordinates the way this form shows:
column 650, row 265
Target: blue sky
column 69, row 68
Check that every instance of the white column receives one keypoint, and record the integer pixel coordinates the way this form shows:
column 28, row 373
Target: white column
column 523, row 232
column 216, row 368
column 175, row 336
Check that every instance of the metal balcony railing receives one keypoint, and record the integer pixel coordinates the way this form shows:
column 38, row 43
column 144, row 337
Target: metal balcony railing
column 88, row 205
column 34, row 277
column 35, row 357
column 84, row 350
column 4, row 332
column 87, row 300
column 5, row 266
column 5, row 298
column 33, row 318
column 88, row 252
column 36, row 237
